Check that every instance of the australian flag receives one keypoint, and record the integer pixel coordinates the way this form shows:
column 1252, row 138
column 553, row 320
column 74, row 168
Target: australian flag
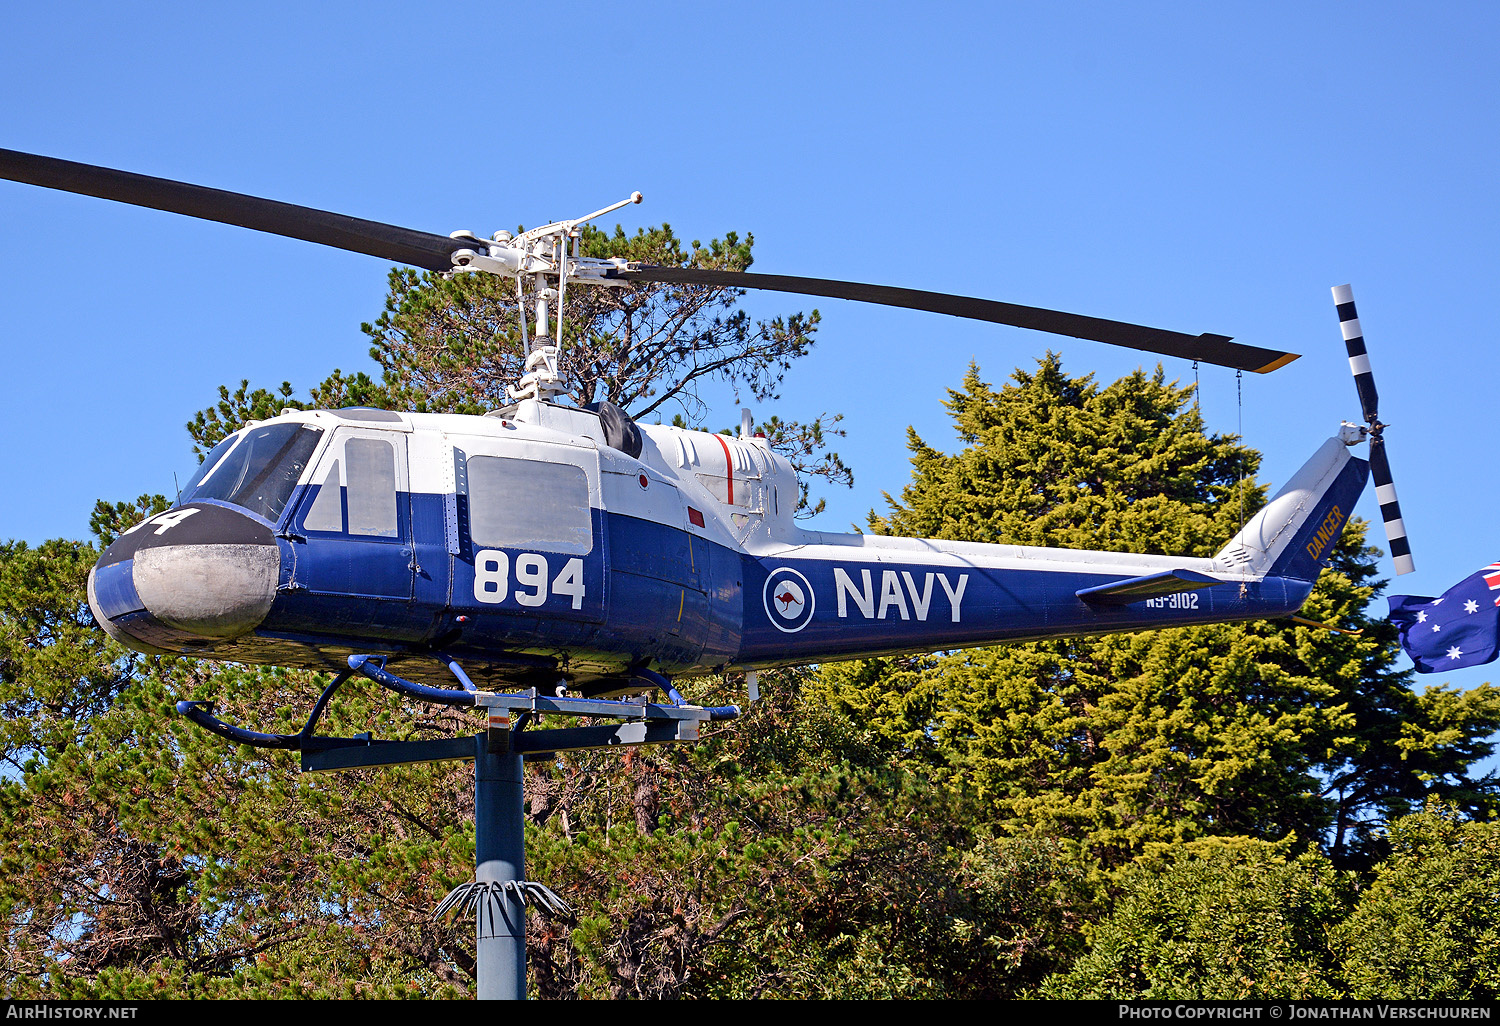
column 1462, row 628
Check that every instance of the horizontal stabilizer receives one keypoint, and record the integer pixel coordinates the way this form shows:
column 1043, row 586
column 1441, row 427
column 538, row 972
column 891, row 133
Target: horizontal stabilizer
column 1134, row 589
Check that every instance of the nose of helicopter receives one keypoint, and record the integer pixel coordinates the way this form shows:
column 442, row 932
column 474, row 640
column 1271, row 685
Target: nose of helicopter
column 186, row 578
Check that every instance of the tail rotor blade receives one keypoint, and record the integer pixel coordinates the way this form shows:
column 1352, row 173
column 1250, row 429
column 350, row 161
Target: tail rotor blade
column 1369, row 401
column 1390, row 509
column 1359, row 360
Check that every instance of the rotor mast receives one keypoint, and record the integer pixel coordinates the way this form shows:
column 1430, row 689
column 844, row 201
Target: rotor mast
column 552, row 251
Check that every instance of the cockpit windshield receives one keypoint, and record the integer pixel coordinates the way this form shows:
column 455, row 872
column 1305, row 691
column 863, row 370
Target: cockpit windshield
column 256, row 469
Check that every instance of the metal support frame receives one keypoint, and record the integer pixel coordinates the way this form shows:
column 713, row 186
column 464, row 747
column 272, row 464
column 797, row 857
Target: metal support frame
column 499, row 893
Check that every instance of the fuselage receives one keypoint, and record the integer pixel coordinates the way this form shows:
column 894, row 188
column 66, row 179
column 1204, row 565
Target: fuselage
column 532, row 550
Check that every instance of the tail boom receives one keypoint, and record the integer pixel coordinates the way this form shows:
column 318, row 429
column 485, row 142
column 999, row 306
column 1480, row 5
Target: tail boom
column 841, row 596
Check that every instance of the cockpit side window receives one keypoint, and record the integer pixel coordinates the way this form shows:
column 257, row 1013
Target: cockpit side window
column 256, row 469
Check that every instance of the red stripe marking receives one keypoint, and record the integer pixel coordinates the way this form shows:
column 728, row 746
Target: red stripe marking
column 728, row 469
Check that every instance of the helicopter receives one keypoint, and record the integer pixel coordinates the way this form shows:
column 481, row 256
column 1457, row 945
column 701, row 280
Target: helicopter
column 567, row 548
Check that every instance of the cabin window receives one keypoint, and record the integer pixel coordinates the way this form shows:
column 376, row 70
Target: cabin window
column 372, row 487
column 528, row 504
column 256, row 469
column 327, row 510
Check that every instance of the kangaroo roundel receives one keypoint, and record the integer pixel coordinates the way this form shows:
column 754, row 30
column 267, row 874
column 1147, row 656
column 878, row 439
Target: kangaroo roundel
column 788, row 599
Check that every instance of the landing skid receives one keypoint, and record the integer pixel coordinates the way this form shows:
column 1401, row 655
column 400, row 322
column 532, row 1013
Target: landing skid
column 511, row 713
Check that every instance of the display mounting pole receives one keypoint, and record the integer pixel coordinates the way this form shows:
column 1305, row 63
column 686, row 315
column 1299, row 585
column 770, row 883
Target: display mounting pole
column 499, row 857
column 499, row 892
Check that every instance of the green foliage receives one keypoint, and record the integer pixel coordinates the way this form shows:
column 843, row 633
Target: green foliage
column 57, row 670
column 148, row 858
column 1220, row 922
column 1016, row 912
column 781, row 859
column 1426, row 928
column 233, row 411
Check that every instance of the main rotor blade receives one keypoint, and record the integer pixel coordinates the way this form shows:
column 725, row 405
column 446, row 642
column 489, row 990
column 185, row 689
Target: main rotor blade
column 434, row 253
column 1216, row 349
column 387, row 241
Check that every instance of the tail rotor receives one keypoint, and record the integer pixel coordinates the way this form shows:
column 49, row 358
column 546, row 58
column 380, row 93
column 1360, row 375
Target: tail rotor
column 1369, row 401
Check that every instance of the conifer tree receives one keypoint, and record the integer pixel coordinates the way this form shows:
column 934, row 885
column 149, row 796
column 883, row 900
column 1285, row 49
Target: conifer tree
column 1217, row 920
column 1425, row 928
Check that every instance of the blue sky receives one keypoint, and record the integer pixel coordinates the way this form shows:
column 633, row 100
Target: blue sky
column 1194, row 167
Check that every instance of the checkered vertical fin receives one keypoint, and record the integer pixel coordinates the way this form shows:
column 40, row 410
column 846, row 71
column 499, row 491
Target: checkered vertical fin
column 1369, row 401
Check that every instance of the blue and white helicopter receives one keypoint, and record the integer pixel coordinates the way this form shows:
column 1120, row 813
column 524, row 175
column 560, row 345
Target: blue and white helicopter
column 571, row 550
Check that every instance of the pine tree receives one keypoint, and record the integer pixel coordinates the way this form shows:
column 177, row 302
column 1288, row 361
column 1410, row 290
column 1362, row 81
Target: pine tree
column 1217, row 920
column 1425, row 928
column 143, row 857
